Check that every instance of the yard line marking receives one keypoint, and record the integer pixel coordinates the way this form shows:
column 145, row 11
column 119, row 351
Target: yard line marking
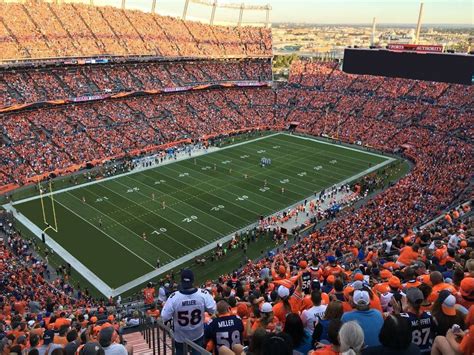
column 116, row 241
column 136, row 171
column 118, row 223
column 184, row 201
column 182, row 214
column 116, row 193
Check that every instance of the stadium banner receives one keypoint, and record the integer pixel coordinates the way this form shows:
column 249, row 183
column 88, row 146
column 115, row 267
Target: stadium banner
column 227, row 84
column 416, row 47
column 8, row 187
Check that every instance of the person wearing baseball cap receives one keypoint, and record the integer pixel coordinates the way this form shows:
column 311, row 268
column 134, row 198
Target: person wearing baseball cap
column 286, row 304
column 445, row 313
column 187, row 308
column 370, row 320
column 421, row 322
column 465, row 296
column 266, row 321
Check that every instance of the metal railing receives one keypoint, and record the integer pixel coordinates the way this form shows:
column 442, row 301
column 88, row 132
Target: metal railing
column 160, row 338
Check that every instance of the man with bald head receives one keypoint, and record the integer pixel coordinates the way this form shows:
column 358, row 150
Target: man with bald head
column 438, row 285
column 224, row 330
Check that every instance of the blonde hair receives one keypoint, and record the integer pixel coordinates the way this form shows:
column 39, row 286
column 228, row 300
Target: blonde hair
column 351, row 338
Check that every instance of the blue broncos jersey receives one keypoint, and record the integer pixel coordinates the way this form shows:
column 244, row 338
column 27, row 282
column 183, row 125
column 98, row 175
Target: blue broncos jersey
column 423, row 330
column 225, row 330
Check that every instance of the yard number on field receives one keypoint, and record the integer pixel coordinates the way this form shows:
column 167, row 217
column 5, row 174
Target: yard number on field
column 207, row 167
column 242, row 198
column 189, row 219
column 334, row 161
column 261, row 151
column 245, row 156
column 183, row 174
column 100, row 199
column 319, row 167
column 303, row 173
column 217, row 208
column 276, row 147
column 133, row 189
column 263, row 189
column 160, row 182
column 225, row 162
column 158, row 232
column 284, row 181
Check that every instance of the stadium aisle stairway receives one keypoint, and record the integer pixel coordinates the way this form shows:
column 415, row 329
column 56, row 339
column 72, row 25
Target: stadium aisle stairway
column 138, row 342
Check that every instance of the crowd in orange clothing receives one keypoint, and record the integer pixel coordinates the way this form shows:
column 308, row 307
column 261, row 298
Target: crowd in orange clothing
column 374, row 249
column 56, row 83
column 36, row 29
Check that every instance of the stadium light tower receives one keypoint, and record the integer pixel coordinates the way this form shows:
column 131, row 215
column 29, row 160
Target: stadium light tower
column 418, row 25
column 241, row 7
column 241, row 14
column 372, row 40
column 213, row 13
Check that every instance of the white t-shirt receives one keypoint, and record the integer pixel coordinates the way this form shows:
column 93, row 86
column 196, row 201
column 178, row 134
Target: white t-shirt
column 310, row 317
column 187, row 311
column 453, row 241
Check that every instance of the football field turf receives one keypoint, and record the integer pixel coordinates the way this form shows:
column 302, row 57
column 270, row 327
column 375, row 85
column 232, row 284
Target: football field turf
column 207, row 198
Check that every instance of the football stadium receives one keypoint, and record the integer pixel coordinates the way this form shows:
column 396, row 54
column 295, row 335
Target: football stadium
column 165, row 188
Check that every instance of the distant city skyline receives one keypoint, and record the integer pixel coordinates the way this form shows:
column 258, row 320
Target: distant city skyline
column 325, row 11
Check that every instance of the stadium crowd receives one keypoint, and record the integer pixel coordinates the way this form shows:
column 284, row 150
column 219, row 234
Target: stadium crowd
column 37, row 29
column 55, row 83
column 369, row 282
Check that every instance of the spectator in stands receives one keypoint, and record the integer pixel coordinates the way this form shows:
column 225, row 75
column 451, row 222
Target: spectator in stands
column 445, row 314
column 351, row 338
column 423, row 328
column 370, row 320
column 313, row 315
column 333, row 348
column 224, row 330
column 301, row 338
column 186, row 308
column 395, row 338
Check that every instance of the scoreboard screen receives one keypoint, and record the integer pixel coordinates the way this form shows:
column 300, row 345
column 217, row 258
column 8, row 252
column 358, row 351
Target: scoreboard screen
column 440, row 67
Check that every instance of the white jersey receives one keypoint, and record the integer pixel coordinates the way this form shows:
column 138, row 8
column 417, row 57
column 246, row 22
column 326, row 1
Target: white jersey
column 187, row 311
column 311, row 317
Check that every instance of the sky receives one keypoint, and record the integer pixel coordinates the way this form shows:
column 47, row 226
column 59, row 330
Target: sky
column 327, row 11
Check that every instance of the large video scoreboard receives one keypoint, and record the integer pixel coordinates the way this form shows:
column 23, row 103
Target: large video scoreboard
column 421, row 62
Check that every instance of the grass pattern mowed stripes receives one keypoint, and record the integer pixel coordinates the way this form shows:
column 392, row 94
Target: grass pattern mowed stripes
column 206, row 198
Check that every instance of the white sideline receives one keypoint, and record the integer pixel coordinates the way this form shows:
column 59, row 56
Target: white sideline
column 107, row 290
column 63, row 253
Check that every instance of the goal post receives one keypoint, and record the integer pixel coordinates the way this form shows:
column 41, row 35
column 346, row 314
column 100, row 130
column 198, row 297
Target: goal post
column 53, row 226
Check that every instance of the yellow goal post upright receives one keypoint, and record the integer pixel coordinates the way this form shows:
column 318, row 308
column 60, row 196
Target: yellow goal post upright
column 53, row 227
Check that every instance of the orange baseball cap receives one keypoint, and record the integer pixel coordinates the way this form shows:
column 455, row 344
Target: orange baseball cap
column 331, row 279
column 449, row 306
column 394, row 282
column 358, row 277
column 467, row 286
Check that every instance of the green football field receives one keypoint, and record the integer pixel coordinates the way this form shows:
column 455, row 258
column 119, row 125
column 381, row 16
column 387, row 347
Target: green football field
column 207, row 198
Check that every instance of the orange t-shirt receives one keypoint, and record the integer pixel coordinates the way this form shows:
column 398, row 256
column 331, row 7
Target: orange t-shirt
column 407, row 256
column 280, row 311
column 326, row 350
column 438, row 288
column 467, row 343
column 270, row 326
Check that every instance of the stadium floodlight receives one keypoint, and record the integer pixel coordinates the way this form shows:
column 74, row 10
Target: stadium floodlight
column 51, row 196
column 235, row 6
